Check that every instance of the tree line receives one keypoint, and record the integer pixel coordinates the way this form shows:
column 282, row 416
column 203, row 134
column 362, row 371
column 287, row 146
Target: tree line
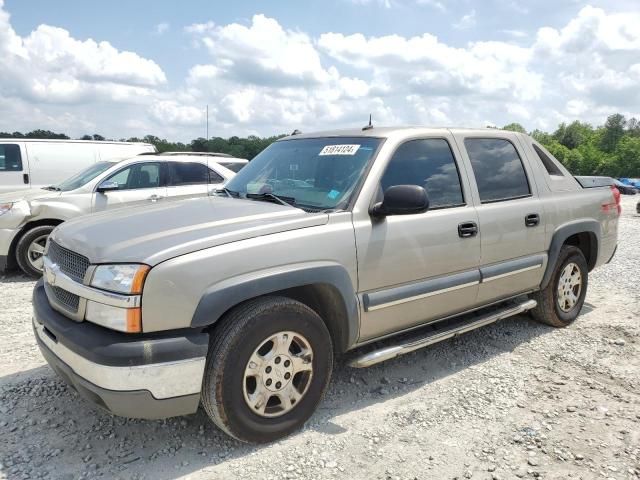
column 612, row 149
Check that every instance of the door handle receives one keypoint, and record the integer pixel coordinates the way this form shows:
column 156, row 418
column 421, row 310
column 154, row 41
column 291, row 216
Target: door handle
column 467, row 229
column 155, row 198
column 25, row 178
column 532, row 220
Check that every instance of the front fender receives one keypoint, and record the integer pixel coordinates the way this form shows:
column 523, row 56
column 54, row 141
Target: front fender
column 222, row 296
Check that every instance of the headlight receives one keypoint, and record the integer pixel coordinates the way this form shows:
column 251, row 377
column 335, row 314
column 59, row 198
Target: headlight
column 125, row 278
column 5, row 207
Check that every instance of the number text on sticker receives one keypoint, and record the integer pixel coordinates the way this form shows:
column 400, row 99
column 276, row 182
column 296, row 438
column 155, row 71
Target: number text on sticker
column 339, row 150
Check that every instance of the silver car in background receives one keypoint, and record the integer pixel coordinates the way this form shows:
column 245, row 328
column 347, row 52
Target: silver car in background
column 27, row 217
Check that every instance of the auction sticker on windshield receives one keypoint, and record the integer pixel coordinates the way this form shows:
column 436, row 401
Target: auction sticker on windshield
column 339, row 150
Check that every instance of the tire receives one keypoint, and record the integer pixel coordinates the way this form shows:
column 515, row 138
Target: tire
column 553, row 307
column 229, row 392
column 28, row 247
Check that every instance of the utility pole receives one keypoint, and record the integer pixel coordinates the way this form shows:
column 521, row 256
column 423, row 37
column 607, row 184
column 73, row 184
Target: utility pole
column 207, row 121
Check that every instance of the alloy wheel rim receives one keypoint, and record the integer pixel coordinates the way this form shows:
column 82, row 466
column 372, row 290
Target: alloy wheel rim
column 278, row 374
column 35, row 252
column 569, row 287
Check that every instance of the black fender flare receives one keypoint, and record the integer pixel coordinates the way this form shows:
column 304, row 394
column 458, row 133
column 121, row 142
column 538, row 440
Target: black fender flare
column 560, row 237
column 221, row 297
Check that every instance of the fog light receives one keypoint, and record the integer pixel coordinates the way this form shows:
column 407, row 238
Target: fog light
column 122, row 319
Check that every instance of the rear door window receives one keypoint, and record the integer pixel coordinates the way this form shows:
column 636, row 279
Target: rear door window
column 10, row 158
column 188, row 173
column 233, row 166
column 498, row 169
column 215, row 177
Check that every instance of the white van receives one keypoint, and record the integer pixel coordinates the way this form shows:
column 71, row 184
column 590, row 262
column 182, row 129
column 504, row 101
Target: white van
column 28, row 163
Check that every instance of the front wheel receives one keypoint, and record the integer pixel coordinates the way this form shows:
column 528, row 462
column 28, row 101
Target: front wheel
column 269, row 364
column 561, row 301
column 30, row 250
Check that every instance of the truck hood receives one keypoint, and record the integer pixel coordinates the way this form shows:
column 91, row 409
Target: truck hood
column 27, row 195
column 153, row 234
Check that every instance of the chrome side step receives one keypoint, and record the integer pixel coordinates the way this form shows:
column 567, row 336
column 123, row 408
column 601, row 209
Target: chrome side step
column 455, row 328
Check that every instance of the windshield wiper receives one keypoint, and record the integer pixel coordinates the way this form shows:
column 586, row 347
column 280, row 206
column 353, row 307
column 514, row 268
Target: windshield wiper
column 52, row 187
column 288, row 201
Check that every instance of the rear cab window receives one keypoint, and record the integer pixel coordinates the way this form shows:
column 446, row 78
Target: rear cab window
column 10, row 158
column 498, row 169
column 547, row 162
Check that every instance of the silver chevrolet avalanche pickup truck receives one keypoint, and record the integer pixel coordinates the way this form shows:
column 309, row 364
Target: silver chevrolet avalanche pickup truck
column 324, row 244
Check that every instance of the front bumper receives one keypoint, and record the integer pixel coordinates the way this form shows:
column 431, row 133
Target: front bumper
column 7, row 235
column 138, row 376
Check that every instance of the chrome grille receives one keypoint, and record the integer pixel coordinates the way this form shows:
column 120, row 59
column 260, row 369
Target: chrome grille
column 67, row 299
column 71, row 263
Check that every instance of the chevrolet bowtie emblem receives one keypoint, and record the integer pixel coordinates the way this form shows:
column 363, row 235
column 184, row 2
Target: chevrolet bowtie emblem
column 51, row 276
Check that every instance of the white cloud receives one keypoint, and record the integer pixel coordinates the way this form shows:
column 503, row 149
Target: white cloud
column 262, row 77
column 467, row 21
column 263, row 52
column 51, row 66
column 433, row 3
column 173, row 113
column 515, row 33
column 162, row 28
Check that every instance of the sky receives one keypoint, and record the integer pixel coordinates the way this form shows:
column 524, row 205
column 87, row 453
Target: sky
column 131, row 68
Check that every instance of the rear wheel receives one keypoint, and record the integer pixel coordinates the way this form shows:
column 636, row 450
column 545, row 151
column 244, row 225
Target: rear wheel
column 30, row 250
column 561, row 301
column 268, row 366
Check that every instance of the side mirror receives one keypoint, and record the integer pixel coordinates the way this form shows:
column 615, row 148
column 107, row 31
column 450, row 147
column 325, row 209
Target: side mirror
column 402, row 200
column 107, row 186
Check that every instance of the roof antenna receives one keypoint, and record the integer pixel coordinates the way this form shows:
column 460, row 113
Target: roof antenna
column 296, row 132
column 368, row 127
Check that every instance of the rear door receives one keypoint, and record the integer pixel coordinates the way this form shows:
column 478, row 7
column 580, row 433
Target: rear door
column 512, row 233
column 419, row 267
column 187, row 180
column 140, row 183
column 14, row 169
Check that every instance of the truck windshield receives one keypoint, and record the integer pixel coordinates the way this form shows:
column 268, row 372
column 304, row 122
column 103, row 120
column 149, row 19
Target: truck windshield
column 311, row 173
column 83, row 177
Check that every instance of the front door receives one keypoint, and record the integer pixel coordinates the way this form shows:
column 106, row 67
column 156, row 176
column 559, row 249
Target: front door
column 138, row 184
column 512, row 232
column 419, row 267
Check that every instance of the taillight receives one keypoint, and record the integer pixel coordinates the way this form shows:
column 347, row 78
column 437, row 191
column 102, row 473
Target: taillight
column 616, row 198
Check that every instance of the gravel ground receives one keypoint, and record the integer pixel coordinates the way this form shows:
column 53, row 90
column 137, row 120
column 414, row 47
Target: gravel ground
column 512, row 400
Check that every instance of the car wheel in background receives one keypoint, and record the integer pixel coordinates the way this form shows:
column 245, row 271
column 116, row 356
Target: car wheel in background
column 30, row 250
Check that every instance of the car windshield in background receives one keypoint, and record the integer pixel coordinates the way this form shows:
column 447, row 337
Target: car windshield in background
column 314, row 173
column 85, row 176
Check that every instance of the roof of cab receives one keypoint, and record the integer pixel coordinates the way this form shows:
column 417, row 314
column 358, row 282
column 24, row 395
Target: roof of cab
column 385, row 132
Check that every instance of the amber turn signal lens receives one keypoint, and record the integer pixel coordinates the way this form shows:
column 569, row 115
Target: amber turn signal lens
column 134, row 320
column 138, row 279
